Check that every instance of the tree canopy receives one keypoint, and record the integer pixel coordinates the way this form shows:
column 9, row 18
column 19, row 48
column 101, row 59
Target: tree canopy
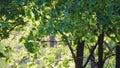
column 71, row 19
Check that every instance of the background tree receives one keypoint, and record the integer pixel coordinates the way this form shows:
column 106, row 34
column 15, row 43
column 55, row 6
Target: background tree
column 73, row 20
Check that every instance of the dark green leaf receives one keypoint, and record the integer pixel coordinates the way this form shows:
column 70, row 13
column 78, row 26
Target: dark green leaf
column 92, row 1
column 31, row 47
column 36, row 15
column 66, row 13
column 78, row 3
column 110, row 10
column 2, row 55
column 28, row 14
column 20, row 2
column 101, row 19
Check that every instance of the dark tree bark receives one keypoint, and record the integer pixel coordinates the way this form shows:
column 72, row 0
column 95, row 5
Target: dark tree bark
column 79, row 54
column 93, row 63
column 100, row 50
column 91, row 53
column 118, row 55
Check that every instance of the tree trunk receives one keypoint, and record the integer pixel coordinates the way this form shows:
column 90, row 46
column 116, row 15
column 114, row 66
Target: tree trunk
column 118, row 55
column 93, row 63
column 79, row 54
column 100, row 50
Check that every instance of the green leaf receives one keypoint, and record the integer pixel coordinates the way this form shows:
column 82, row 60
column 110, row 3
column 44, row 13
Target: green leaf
column 4, row 24
column 31, row 64
column 101, row 19
column 41, row 30
column 111, row 44
column 36, row 14
column 64, row 38
column 41, row 1
column 66, row 13
column 49, row 30
column 110, row 10
column 28, row 14
column 30, row 36
column 20, row 21
column 62, row 29
column 67, row 3
column 20, row 2
column 1, row 48
column 31, row 47
column 22, row 39
column 78, row 3
column 92, row 1
column 1, row 54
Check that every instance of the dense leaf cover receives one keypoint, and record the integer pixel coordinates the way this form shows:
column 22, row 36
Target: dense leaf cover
column 71, row 19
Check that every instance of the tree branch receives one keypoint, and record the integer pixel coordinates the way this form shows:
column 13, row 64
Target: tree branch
column 107, row 46
column 70, row 47
column 73, row 55
column 92, row 51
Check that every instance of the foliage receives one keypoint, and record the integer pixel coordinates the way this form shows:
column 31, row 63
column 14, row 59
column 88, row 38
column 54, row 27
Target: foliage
column 72, row 19
column 46, row 57
column 78, row 18
column 58, row 57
